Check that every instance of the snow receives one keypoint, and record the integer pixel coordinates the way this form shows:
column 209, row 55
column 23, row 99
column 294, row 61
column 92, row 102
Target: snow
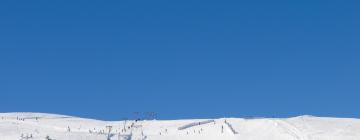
column 37, row 126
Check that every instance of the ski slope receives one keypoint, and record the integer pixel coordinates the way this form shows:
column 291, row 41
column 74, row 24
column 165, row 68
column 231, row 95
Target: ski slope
column 40, row 126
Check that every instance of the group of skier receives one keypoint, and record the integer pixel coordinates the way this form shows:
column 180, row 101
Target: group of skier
column 27, row 136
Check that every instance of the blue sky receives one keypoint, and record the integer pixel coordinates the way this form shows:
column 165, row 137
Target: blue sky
column 180, row 59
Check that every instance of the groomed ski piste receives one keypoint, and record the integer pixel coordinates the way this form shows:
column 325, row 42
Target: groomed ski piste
column 40, row 126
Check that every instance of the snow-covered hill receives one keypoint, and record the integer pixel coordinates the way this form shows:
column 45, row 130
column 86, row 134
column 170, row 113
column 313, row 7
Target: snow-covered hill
column 39, row 126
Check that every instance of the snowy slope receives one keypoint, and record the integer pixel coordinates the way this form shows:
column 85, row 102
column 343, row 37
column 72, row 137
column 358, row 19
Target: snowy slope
column 37, row 126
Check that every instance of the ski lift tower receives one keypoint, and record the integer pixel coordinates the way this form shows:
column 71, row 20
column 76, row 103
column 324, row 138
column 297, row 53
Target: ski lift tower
column 109, row 131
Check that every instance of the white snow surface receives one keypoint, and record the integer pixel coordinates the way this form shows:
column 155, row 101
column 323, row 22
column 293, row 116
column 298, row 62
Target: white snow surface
column 38, row 126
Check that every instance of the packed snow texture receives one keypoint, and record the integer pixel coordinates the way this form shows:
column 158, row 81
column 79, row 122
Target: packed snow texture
column 39, row 126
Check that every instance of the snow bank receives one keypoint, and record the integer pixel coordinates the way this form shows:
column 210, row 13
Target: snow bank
column 38, row 126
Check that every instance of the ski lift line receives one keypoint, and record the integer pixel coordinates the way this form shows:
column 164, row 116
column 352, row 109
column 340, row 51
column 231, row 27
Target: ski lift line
column 195, row 124
column 230, row 127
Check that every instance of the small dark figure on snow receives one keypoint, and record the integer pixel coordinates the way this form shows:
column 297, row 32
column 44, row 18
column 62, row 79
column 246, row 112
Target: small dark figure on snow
column 48, row 138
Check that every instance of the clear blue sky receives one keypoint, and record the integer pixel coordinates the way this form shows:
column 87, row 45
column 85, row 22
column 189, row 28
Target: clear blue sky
column 181, row 59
